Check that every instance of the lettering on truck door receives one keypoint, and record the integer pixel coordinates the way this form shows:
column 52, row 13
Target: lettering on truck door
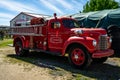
column 55, row 40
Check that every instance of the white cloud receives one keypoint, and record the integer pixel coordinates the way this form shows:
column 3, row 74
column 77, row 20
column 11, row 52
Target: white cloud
column 65, row 4
column 15, row 7
column 6, row 16
column 117, row 0
column 38, row 6
column 19, row 7
column 4, row 21
column 78, row 5
column 51, row 6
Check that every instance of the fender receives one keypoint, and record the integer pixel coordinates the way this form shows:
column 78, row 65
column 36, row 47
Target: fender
column 21, row 38
column 85, row 41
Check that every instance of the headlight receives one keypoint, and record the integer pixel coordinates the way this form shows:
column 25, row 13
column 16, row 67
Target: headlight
column 110, row 40
column 79, row 31
column 94, row 43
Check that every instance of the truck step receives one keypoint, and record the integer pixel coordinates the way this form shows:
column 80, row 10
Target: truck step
column 48, row 52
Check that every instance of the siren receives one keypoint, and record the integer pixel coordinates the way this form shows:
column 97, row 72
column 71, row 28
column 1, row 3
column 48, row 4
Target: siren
column 55, row 15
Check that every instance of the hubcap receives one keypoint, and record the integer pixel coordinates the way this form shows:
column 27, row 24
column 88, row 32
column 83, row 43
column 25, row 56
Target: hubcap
column 78, row 56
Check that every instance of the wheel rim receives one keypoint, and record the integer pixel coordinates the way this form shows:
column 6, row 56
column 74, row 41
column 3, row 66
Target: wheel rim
column 78, row 56
column 17, row 49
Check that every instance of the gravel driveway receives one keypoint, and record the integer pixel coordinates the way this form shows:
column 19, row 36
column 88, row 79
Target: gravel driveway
column 40, row 66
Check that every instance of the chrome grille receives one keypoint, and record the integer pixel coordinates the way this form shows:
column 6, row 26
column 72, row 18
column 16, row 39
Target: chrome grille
column 103, row 42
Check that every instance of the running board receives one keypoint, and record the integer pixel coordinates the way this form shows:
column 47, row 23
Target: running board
column 48, row 52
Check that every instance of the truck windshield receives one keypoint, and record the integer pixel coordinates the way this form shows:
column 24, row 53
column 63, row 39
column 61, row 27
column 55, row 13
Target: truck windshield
column 70, row 23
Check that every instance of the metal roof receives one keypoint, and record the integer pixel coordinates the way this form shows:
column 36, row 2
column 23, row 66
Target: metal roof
column 36, row 15
column 102, row 18
column 32, row 15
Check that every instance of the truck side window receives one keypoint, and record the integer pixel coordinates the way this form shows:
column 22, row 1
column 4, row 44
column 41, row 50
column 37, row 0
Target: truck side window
column 55, row 25
column 70, row 24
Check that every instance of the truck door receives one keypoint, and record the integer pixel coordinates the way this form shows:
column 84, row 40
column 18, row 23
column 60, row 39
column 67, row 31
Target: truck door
column 55, row 41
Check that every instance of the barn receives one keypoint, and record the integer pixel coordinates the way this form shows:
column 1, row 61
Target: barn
column 23, row 19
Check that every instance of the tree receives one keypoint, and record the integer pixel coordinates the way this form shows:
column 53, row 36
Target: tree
column 95, row 5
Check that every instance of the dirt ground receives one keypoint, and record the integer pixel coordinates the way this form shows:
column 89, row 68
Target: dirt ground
column 41, row 66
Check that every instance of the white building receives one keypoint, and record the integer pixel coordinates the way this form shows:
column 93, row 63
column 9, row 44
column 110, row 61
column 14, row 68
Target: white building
column 23, row 19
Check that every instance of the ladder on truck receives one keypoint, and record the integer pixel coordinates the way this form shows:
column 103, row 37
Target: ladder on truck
column 31, row 30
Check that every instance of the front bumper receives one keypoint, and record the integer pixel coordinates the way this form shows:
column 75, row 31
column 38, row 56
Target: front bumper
column 104, row 53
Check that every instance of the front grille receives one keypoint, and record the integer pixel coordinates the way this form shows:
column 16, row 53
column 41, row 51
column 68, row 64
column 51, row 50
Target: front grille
column 103, row 41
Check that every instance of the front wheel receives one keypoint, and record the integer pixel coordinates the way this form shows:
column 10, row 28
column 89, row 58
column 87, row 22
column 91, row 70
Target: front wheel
column 79, row 57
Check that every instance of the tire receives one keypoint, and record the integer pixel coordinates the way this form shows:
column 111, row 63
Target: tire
column 99, row 60
column 19, row 49
column 79, row 57
column 113, row 30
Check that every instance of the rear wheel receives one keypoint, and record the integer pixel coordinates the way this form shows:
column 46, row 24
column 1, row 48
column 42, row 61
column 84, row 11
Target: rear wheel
column 99, row 60
column 79, row 57
column 19, row 49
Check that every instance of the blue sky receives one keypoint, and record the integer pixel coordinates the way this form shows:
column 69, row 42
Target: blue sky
column 10, row 8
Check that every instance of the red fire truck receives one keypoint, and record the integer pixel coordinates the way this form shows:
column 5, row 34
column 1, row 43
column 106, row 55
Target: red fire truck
column 63, row 36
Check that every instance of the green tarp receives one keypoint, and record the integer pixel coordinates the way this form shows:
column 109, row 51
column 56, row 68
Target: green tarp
column 102, row 18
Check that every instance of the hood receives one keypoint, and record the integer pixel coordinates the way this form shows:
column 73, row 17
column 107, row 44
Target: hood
column 99, row 31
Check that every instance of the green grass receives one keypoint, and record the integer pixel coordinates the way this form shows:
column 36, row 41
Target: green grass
column 5, row 42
